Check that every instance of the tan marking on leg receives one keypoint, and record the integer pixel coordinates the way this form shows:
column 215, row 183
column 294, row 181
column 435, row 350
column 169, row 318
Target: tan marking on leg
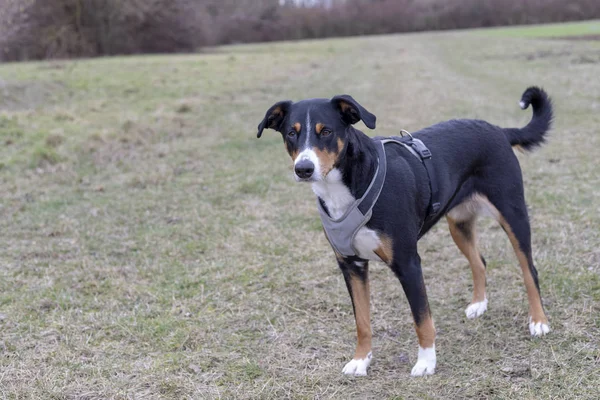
column 385, row 251
column 536, row 311
column 319, row 127
column 297, row 127
column 362, row 314
column 426, row 332
column 470, row 208
column 468, row 246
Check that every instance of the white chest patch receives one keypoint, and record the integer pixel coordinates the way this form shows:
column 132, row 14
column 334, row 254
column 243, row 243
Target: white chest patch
column 335, row 194
column 338, row 199
column 366, row 242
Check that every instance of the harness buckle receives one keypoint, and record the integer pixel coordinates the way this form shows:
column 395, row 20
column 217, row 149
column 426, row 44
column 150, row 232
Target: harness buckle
column 425, row 153
column 435, row 207
column 421, row 149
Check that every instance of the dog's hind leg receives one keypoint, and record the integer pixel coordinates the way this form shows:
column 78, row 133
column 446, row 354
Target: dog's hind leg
column 463, row 233
column 356, row 275
column 512, row 216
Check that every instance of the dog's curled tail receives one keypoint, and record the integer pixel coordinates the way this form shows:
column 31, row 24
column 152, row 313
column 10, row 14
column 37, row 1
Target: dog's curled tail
column 534, row 133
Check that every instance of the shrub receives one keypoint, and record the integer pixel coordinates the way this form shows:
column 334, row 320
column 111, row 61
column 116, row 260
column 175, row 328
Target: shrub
column 37, row 29
column 34, row 29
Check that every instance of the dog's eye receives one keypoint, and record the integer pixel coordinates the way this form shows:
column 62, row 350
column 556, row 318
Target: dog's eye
column 291, row 133
column 325, row 132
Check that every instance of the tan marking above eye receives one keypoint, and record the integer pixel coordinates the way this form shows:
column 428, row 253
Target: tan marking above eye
column 319, row 127
column 297, row 127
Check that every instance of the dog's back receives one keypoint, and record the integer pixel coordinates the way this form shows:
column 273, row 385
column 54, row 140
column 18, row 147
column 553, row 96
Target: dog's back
column 466, row 144
column 470, row 152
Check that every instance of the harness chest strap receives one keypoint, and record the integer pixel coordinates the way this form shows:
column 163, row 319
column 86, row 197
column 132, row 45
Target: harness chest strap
column 341, row 231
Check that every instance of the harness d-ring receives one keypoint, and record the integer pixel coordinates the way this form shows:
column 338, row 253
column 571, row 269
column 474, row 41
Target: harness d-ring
column 407, row 132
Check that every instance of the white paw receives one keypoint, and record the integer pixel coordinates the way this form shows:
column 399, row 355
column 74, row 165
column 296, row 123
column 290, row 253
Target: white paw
column 538, row 328
column 476, row 309
column 425, row 363
column 358, row 367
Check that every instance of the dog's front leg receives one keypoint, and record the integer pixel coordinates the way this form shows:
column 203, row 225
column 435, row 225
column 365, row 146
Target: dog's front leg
column 356, row 275
column 407, row 266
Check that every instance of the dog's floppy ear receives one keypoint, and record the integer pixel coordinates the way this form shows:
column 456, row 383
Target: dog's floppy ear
column 352, row 112
column 274, row 117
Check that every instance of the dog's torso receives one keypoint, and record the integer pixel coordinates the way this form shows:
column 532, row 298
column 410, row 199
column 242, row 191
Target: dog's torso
column 462, row 150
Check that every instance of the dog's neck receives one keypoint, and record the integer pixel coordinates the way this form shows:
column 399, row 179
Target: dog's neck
column 352, row 175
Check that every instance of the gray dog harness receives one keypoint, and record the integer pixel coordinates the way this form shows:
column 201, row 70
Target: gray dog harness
column 341, row 232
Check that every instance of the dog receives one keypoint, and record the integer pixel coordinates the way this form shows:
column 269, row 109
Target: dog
column 469, row 168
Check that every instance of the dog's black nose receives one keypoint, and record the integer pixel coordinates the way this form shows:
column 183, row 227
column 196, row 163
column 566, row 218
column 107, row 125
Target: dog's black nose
column 304, row 169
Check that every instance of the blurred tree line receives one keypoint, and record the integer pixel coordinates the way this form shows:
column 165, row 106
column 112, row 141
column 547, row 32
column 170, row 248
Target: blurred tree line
column 39, row 29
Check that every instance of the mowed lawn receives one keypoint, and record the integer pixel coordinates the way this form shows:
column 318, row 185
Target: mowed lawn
column 152, row 247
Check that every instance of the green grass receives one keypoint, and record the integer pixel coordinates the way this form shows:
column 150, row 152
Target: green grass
column 152, row 247
column 580, row 28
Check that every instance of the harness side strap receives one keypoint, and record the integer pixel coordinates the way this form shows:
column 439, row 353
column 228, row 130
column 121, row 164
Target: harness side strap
column 425, row 155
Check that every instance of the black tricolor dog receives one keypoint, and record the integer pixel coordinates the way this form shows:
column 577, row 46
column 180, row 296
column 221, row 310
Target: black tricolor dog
column 476, row 172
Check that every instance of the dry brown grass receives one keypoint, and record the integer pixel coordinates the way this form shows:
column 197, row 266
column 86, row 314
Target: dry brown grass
column 152, row 247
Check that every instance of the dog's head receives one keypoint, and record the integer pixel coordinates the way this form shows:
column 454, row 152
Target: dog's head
column 315, row 132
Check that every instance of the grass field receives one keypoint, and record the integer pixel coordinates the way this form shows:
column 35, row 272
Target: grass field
column 579, row 28
column 152, row 247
